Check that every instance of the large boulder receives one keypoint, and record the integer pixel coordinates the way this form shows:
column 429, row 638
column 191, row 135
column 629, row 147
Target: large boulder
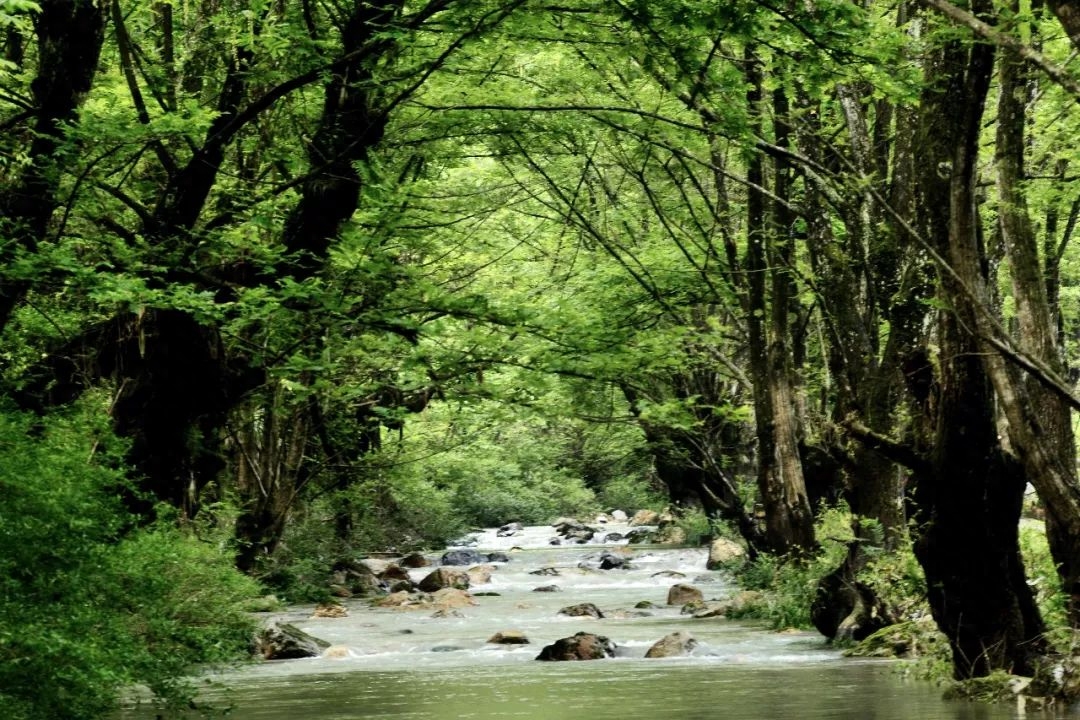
column 681, row 594
column 582, row 610
column 582, row 646
column 282, row 641
column 618, row 515
column 673, row 645
column 444, row 577
column 723, row 551
column 462, row 557
column 645, row 517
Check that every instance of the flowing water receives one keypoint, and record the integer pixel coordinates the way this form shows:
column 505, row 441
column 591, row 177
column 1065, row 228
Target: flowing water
column 406, row 664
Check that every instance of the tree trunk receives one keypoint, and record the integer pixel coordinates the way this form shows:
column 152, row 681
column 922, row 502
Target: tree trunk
column 968, row 502
column 1040, row 428
column 789, row 523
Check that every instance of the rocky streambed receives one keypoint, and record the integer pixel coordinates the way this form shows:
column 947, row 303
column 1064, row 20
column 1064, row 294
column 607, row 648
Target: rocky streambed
column 474, row 632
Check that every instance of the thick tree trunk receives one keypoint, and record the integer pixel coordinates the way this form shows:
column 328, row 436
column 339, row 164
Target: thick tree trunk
column 1040, row 428
column 969, row 500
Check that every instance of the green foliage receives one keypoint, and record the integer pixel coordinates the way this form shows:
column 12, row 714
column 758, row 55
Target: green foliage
column 89, row 603
column 1045, row 581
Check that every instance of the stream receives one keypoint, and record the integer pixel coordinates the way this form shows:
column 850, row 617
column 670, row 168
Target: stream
column 407, row 664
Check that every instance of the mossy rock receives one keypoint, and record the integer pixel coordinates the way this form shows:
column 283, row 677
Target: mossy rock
column 911, row 639
column 999, row 686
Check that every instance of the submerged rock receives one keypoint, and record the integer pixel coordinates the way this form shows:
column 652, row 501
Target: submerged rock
column 582, row 610
column 672, row 645
column 547, row 588
column 582, row 646
column 669, row 574
column 497, row 557
column 462, row 557
column 509, row 637
column 610, row 561
column 330, row 610
column 547, row 571
column 282, row 641
column 613, row 537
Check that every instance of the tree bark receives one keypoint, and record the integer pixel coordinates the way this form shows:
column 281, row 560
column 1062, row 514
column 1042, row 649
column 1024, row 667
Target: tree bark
column 789, row 527
column 968, row 502
column 1040, row 428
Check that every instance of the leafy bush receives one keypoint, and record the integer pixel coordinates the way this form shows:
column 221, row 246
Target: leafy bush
column 90, row 604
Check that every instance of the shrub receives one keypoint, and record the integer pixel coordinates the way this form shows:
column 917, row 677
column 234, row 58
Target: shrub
column 89, row 603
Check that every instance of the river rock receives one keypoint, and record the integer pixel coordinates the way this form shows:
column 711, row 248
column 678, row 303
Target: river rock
column 674, row 645
column 394, row 572
column 671, row 534
column 555, row 541
column 610, row 561
column 339, row 591
column 446, row 613
column 682, row 594
column 613, row 537
column 582, row 646
column 462, row 557
column 337, row 652
column 362, row 582
column 480, row 574
column 394, row 599
column 628, row 614
column 402, row 585
column 693, row 607
column 580, row 537
column 582, row 610
column 602, row 519
column 444, row 577
column 497, row 557
column 548, row 571
column 669, row 574
column 375, row 566
column 510, row 529
column 638, row 536
column 414, row 560
column 722, row 551
column 282, row 641
column 547, row 588
column 509, row 637
column 618, row 515
column 330, row 610
column 645, row 517
column 449, row 598
column 645, row 605
column 564, row 525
